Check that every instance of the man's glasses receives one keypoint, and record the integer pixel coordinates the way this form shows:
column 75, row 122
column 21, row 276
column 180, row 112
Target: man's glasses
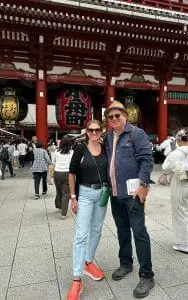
column 91, row 130
column 115, row 116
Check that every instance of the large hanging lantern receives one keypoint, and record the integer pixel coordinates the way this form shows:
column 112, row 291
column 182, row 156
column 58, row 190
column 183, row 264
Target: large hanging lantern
column 9, row 107
column 133, row 111
column 73, row 109
column 12, row 108
column 23, row 109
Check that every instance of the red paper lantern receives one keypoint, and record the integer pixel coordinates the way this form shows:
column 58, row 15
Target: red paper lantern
column 73, row 109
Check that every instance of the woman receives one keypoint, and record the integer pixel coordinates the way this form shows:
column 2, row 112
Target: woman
column 39, row 168
column 176, row 162
column 15, row 155
column 89, row 167
column 61, row 160
column 52, row 148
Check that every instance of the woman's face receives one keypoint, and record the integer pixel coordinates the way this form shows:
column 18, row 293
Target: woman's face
column 94, row 132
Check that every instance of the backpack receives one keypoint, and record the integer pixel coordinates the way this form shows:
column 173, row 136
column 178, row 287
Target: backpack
column 4, row 155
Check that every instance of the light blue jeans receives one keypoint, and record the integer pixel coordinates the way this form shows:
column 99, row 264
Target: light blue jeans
column 89, row 222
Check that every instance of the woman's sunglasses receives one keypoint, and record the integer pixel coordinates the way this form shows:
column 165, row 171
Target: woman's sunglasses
column 115, row 116
column 91, row 130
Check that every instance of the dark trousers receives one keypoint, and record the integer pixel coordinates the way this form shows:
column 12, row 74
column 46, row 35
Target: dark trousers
column 129, row 214
column 3, row 167
column 37, row 178
column 62, row 191
column 22, row 160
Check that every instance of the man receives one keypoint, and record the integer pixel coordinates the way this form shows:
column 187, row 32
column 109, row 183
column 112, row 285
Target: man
column 129, row 157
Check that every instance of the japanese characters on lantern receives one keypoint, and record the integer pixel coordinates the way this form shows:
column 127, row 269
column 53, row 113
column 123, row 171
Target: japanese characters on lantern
column 9, row 106
column 73, row 108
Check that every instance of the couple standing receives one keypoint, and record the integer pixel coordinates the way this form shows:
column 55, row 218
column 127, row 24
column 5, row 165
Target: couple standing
column 129, row 156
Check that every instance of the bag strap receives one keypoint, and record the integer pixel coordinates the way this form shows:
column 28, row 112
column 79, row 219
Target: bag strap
column 93, row 158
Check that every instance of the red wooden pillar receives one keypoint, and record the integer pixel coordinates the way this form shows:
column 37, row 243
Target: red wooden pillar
column 109, row 96
column 162, row 113
column 41, row 107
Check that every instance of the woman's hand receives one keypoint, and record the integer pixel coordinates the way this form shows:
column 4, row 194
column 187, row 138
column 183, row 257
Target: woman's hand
column 74, row 205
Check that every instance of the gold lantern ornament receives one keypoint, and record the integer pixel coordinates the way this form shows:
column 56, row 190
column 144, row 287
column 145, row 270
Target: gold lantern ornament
column 133, row 111
column 9, row 107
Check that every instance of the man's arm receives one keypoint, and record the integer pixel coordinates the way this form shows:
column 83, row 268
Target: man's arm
column 143, row 154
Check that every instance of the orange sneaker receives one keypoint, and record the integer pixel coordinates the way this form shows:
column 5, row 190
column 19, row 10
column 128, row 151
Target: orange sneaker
column 75, row 290
column 93, row 271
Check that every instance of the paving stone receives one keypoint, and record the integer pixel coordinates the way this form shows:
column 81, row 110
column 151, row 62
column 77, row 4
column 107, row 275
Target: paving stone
column 93, row 290
column 62, row 242
column 9, row 231
column 178, row 292
column 41, row 291
column 153, row 225
column 108, row 259
column 33, row 235
column 4, row 279
column 7, row 249
column 61, row 225
column 32, row 265
column 170, row 272
column 34, row 217
column 123, row 289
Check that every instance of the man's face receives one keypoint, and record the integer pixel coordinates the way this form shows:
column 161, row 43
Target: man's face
column 116, row 119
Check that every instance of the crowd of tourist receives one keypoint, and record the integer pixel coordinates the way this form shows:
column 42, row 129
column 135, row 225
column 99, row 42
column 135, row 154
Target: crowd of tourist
column 118, row 164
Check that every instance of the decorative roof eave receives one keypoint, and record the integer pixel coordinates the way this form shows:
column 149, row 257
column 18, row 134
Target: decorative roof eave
column 147, row 38
column 128, row 9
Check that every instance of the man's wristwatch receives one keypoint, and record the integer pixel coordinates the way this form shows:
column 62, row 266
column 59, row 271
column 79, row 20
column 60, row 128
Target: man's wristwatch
column 143, row 184
column 73, row 196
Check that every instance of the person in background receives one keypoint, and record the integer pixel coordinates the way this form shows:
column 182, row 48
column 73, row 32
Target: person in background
column 22, row 148
column 31, row 147
column 177, row 163
column 61, row 159
column 88, row 161
column 129, row 155
column 166, row 147
column 6, row 160
column 52, row 148
column 40, row 168
column 15, row 155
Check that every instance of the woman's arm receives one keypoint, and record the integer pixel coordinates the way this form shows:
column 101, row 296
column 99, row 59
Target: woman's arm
column 171, row 160
column 74, row 202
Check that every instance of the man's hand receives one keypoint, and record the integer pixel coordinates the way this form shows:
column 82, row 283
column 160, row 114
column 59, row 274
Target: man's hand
column 142, row 193
column 74, row 205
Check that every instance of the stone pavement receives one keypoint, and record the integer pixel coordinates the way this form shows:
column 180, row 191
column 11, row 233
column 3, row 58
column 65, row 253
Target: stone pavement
column 36, row 248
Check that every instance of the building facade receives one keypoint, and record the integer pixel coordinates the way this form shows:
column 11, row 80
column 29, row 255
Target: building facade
column 118, row 49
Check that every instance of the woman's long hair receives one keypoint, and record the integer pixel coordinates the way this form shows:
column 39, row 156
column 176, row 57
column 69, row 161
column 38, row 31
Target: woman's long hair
column 65, row 145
